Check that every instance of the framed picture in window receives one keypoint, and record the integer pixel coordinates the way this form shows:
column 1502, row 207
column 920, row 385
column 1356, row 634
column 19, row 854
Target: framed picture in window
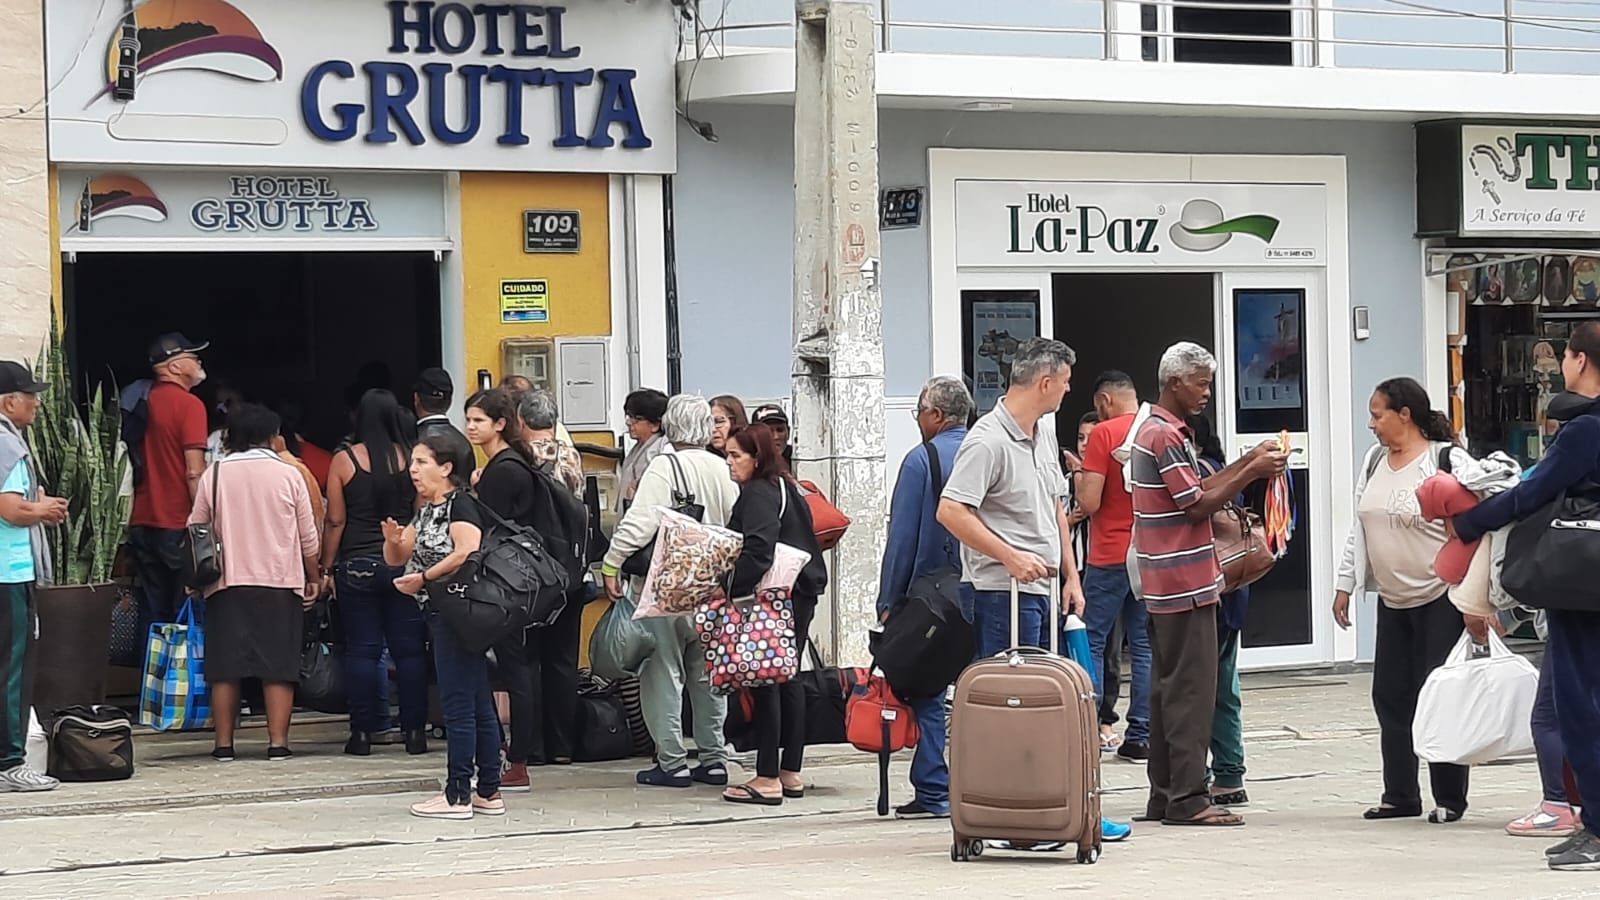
column 993, row 325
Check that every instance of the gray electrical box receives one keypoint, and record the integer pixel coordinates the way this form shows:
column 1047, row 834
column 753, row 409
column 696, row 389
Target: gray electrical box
column 584, row 381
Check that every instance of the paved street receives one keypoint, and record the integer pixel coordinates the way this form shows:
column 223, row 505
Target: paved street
column 329, row 826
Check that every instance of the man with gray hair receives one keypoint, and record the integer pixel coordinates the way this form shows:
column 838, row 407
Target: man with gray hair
column 917, row 546
column 690, row 475
column 1002, row 503
column 1180, row 582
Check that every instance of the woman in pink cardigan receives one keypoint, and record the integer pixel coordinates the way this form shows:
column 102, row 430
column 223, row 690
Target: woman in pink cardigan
column 270, row 546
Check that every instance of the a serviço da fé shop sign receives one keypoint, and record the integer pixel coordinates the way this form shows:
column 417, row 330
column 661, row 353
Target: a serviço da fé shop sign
column 585, row 85
column 1529, row 181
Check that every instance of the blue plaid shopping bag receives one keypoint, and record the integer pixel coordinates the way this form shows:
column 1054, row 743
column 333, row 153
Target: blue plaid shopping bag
column 175, row 695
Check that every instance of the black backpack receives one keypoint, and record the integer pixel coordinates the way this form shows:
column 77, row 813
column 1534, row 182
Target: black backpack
column 134, row 423
column 509, row 583
column 926, row 640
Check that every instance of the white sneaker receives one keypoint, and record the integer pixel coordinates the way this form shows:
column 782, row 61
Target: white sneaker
column 26, row 779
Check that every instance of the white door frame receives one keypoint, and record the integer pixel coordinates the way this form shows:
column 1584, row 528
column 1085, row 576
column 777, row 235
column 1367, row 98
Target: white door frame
column 1326, row 328
column 1317, row 449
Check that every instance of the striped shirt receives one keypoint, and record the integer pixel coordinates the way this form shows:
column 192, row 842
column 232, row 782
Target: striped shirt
column 1178, row 568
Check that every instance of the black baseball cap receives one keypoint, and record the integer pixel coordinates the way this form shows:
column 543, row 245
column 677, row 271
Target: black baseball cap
column 172, row 344
column 15, row 378
column 770, row 414
column 434, row 382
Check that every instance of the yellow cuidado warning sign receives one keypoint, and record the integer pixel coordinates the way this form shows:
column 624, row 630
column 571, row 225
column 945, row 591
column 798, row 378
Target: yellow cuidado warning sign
column 524, row 300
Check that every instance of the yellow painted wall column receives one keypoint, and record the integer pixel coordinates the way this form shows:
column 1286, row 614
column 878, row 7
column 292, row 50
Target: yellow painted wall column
column 492, row 251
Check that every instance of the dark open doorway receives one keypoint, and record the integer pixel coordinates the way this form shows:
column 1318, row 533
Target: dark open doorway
column 283, row 327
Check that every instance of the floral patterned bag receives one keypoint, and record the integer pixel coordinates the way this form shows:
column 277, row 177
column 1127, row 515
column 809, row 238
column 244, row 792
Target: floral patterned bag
column 691, row 561
column 749, row 642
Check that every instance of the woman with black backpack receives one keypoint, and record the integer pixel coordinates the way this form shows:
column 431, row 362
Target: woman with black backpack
column 506, row 486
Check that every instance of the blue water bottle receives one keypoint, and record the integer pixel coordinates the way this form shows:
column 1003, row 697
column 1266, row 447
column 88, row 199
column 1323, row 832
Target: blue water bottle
column 1077, row 642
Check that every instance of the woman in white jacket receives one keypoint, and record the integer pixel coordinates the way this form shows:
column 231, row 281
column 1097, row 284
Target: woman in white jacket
column 678, row 659
column 1390, row 550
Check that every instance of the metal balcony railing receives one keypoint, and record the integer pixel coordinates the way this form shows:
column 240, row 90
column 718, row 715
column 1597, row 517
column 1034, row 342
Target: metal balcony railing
column 1526, row 36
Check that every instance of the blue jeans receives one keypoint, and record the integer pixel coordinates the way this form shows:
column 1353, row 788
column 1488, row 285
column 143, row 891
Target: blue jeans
column 472, row 727
column 930, row 775
column 1573, row 655
column 1548, row 747
column 374, row 613
column 158, row 560
column 992, row 617
column 1108, row 598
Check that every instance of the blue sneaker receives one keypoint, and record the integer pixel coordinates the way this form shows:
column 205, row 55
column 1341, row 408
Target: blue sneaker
column 1111, row 832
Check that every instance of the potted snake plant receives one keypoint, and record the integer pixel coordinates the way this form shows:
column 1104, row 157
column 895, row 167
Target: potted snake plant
column 80, row 454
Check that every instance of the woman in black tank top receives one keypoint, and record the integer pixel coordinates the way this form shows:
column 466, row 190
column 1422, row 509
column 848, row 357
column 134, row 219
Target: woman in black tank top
column 369, row 482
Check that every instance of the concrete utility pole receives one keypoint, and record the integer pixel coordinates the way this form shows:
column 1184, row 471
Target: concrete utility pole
column 838, row 312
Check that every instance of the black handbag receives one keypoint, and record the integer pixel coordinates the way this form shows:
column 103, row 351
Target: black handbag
column 202, row 557
column 511, row 582
column 683, row 501
column 1550, row 555
column 91, row 743
column 601, row 724
column 321, row 686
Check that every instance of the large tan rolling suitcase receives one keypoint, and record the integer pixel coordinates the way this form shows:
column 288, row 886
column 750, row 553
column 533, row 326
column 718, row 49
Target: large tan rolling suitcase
column 1025, row 750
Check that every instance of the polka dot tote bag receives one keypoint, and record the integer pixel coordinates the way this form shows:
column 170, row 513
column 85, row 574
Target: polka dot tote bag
column 749, row 642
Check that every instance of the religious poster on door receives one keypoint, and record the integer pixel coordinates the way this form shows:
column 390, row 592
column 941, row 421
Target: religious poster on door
column 995, row 323
column 1269, row 330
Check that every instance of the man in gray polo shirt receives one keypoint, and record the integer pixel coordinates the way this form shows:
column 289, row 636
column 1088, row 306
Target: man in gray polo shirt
column 1002, row 502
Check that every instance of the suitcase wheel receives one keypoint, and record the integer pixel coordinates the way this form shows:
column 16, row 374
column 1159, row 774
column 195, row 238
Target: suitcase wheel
column 962, row 849
column 438, row 732
column 1088, row 856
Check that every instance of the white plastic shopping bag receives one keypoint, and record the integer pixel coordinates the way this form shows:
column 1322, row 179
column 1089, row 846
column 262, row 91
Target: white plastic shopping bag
column 1474, row 711
column 37, row 750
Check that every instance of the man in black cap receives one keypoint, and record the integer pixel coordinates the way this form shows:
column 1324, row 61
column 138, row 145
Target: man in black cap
column 173, row 456
column 773, row 416
column 431, row 398
column 24, row 510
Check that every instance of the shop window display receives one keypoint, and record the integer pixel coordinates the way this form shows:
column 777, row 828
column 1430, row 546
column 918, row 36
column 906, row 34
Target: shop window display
column 1516, row 315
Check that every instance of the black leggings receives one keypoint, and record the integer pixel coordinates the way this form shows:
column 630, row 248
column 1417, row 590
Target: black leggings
column 780, row 710
column 1411, row 644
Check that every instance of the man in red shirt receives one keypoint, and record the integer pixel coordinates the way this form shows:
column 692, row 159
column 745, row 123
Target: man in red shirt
column 174, row 446
column 1109, row 598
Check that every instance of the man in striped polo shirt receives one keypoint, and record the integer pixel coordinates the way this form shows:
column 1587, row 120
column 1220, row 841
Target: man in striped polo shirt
column 1180, row 580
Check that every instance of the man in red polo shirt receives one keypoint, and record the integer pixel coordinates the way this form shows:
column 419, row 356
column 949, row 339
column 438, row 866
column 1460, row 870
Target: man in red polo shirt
column 1107, row 593
column 174, row 456
column 1180, row 582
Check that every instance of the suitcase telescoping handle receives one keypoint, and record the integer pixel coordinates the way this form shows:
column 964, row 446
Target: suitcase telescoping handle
column 1055, row 616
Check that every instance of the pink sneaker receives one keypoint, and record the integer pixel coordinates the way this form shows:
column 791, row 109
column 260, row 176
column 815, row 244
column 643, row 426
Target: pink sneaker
column 440, row 808
column 1550, row 820
column 488, row 806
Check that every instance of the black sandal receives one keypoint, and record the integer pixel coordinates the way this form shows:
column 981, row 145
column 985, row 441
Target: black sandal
column 1235, row 797
column 751, row 796
column 1392, row 812
column 1444, row 815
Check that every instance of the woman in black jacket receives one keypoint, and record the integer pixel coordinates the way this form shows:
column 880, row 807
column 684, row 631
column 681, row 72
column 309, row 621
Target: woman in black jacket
column 771, row 511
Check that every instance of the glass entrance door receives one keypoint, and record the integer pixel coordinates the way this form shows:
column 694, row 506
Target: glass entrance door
column 1272, row 384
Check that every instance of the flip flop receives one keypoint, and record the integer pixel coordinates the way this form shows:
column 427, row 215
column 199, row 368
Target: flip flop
column 751, row 797
column 798, row 793
column 1214, row 817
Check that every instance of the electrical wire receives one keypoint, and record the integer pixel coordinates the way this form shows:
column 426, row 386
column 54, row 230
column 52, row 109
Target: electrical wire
column 77, row 57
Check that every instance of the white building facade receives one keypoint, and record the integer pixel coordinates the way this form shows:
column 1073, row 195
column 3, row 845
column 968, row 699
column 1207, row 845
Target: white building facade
column 1121, row 176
